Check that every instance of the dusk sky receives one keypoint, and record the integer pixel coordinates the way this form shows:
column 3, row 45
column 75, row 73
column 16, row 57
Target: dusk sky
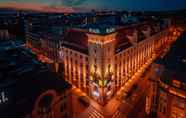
column 112, row 4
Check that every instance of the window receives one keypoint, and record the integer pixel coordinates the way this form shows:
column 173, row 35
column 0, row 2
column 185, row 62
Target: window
column 109, row 60
column 71, row 59
column 86, row 59
column 76, row 62
column 81, row 56
column 109, row 88
column 115, row 66
column 65, row 115
column 164, row 110
column 81, row 65
column 176, row 83
column 44, row 105
column 162, row 102
column 177, row 113
column 109, row 49
column 63, row 107
column 87, row 67
column 109, row 66
column 179, row 103
column 95, row 68
column 95, row 60
column 95, row 51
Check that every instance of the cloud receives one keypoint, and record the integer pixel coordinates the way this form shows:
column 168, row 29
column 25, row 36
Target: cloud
column 73, row 2
column 36, row 7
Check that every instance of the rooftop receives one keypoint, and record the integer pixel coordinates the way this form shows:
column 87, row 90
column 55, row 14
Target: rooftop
column 24, row 78
column 100, row 28
column 19, row 62
column 76, row 40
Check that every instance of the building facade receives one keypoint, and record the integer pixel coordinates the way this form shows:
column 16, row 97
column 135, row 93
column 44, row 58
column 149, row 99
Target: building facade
column 101, row 59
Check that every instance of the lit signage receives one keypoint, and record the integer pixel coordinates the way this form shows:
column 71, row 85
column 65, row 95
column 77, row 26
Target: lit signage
column 94, row 30
column 109, row 30
column 95, row 93
column 109, row 93
column 3, row 97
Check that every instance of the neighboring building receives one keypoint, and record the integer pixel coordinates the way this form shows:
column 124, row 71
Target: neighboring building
column 101, row 58
column 28, row 88
column 35, row 23
column 4, row 35
column 13, row 21
column 43, row 37
column 167, row 93
column 45, row 31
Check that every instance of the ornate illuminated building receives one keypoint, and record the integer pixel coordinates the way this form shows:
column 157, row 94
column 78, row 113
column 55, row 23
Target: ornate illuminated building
column 167, row 97
column 100, row 59
column 103, row 60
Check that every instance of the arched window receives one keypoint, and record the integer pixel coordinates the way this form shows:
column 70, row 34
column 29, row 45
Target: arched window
column 44, row 106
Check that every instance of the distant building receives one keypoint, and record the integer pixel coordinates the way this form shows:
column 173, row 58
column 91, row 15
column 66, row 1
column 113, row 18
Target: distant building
column 13, row 21
column 4, row 35
column 167, row 94
column 28, row 88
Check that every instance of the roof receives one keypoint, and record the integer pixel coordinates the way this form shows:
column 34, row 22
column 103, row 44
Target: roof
column 129, row 31
column 122, row 42
column 76, row 40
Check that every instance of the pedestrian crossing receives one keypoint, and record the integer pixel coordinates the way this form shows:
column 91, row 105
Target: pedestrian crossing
column 117, row 114
column 91, row 112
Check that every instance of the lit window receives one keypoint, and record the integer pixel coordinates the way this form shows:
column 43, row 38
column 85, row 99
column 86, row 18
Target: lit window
column 80, row 56
column 176, row 83
column 95, row 60
column 95, row 51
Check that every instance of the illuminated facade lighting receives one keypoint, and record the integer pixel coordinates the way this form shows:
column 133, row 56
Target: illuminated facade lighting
column 107, row 67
